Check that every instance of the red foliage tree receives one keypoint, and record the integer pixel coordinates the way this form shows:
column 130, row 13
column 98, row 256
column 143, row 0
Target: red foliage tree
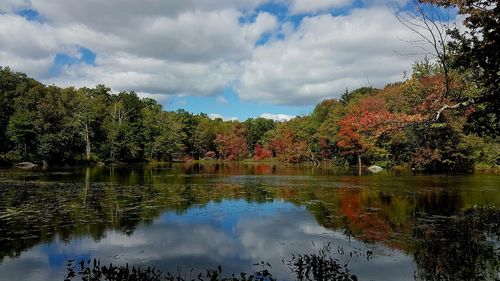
column 232, row 146
column 277, row 146
column 261, row 153
column 365, row 122
column 325, row 149
column 289, row 148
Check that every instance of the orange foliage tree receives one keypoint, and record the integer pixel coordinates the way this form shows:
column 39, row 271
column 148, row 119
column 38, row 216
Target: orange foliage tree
column 261, row 153
column 232, row 146
column 365, row 122
column 288, row 147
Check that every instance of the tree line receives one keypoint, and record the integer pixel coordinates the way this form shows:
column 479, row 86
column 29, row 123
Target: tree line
column 443, row 118
column 60, row 125
column 381, row 126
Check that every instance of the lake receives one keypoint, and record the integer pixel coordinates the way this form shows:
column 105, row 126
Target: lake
column 192, row 217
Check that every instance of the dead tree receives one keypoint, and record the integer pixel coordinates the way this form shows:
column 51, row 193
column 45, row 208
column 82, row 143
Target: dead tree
column 430, row 24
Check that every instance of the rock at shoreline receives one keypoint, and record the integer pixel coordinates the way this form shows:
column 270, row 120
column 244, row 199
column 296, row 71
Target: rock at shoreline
column 26, row 165
column 375, row 169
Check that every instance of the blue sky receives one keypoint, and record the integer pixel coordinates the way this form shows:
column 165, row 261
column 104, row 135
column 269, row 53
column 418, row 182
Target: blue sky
column 29, row 14
column 230, row 106
column 231, row 58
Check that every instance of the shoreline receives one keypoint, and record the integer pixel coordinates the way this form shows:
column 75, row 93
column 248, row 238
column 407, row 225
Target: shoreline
column 398, row 169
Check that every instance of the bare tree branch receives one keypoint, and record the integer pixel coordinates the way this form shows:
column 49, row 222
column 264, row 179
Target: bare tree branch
column 428, row 23
column 455, row 106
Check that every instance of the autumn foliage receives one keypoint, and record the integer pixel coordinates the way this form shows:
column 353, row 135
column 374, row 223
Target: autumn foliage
column 288, row 147
column 261, row 153
column 393, row 126
column 366, row 122
column 232, row 146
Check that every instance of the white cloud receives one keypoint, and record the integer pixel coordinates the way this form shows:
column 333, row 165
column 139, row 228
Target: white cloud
column 113, row 15
column 264, row 22
column 221, row 100
column 160, row 99
column 191, row 47
column 34, row 66
column 125, row 72
column 26, row 46
column 277, row 117
column 325, row 55
column 169, row 47
column 214, row 116
column 308, row 6
column 9, row 6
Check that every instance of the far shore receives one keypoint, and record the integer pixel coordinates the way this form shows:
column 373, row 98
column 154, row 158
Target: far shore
column 39, row 165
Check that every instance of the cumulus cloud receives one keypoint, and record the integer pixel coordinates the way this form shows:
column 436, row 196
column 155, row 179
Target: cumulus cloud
column 307, row 6
column 24, row 46
column 125, row 72
column 325, row 55
column 191, row 47
column 168, row 47
column 277, row 117
column 9, row 6
column 264, row 22
column 214, row 116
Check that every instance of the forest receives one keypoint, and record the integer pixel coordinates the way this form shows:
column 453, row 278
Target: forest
column 443, row 117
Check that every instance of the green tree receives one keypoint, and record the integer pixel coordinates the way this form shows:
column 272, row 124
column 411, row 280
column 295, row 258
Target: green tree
column 151, row 128
column 21, row 128
column 256, row 128
column 189, row 125
column 123, row 126
column 204, row 135
column 12, row 85
column 476, row 53
column 326, row 116
column 83, row 111
column 169, row 144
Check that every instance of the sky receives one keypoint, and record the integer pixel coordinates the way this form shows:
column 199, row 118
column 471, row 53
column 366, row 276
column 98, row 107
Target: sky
column 233, row 59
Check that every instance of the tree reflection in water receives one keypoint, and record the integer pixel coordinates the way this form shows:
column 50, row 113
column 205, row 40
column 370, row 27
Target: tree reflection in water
column 451, row 242
column 463, row 247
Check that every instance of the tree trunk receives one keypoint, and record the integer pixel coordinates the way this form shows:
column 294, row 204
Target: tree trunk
column 87, row 141
column 359, row 164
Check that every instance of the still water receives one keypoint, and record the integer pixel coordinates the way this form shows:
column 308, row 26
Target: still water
column 193, row 217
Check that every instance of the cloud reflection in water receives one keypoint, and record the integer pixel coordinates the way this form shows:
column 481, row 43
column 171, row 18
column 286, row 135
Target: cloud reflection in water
column 234, row 233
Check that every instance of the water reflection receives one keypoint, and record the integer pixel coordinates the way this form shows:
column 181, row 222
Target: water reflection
column 463, row 247
column 235, row 215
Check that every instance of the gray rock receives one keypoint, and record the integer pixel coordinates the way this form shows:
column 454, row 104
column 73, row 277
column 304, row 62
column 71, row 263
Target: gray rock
column 26, row 165
column 375, row 169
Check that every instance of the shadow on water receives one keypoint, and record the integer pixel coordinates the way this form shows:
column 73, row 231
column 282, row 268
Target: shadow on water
column 431, row 219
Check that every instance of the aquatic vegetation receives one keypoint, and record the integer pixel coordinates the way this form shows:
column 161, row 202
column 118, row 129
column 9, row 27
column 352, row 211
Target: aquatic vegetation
column 94, row 271
column 320, row 266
